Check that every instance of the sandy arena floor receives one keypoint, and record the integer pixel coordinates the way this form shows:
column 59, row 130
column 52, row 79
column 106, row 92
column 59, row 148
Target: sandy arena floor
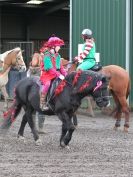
column 96, row 150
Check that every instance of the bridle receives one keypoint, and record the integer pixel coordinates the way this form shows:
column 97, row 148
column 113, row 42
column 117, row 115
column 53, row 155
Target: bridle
column 17, row 61
column 101, row 97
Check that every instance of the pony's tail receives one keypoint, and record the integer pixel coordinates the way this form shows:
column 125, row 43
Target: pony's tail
column 128, row 89
column 10, row 115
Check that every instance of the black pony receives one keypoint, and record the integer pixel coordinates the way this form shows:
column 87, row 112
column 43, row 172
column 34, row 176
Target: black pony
column 63, row 101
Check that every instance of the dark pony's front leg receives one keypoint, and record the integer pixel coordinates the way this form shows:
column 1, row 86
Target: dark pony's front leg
column 67, row 129
column 75, row 121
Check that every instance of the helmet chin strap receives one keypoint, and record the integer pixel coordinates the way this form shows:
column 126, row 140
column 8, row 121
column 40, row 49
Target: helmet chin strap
column 53, row 50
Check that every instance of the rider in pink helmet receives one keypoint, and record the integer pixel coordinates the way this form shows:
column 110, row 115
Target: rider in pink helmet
column 51, row 67
column 54, row 41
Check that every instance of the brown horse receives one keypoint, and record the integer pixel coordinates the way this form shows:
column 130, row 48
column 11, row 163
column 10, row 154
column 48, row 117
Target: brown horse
column 34, row 68
column 119, row 86
column 12, row 58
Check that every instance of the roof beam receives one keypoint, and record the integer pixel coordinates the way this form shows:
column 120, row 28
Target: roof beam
column 56, row 8
column 14, row 1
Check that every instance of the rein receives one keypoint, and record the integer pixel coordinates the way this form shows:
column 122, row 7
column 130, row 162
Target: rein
column 72, row 62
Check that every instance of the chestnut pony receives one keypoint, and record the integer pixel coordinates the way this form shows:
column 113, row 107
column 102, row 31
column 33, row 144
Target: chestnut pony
column 119, row 86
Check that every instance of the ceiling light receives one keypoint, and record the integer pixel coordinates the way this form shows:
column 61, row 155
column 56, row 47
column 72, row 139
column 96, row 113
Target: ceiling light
column 35, row 2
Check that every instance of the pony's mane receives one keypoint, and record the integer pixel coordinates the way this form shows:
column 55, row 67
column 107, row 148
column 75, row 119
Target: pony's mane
column 63, row 83
column 73, row 79
column 4, row 55
column 17, row 49
column 60, row 87
column 86, row 84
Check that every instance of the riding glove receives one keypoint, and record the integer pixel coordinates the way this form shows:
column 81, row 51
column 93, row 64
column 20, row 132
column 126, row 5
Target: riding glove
column 80, row 61
column 61, row 77
column 77, row 59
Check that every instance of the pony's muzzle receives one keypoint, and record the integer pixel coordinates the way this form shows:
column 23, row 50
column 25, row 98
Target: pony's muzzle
column 108, row 104
column 22, row 69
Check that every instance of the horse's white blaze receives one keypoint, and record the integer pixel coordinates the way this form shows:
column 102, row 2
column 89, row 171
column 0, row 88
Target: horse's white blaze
column 22, row 67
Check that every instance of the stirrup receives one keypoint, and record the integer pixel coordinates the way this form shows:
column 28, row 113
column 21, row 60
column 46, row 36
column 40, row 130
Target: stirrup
column 44, row 107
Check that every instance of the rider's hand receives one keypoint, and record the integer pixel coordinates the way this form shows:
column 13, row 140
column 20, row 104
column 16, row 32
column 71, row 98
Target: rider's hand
column 80, row 60
column 76, row 59
column 61, row 77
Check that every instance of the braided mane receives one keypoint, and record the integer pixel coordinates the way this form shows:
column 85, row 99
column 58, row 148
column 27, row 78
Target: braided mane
column 62, row 84
column 86, row 84
column 77, row 76
column 60, row 87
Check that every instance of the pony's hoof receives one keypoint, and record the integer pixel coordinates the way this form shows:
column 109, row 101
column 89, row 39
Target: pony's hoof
column 62, row 144
column 41, row 131
column 21, row 138
column 67, row 147
column 75, row 127
column 115, row 128
column 38, row 142
column 125, row 129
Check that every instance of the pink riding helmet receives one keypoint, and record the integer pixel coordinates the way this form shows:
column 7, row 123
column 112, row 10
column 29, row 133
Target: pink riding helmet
column 54, row 41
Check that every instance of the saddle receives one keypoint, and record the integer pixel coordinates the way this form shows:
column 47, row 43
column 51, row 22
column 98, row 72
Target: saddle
column 35, row 70
column 96, row 67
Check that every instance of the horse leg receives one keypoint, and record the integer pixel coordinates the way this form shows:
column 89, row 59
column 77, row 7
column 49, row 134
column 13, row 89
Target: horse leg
column 67, row 129
column 41, row 119
column 116, row 112
column 4, row 92
column 63, row 133
column 31, row 123
column 125, row 110
column 22, row 126
column 68, row 136
column 113, row 112
column 90, row 107
column 75, row 121
column 118, row 115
